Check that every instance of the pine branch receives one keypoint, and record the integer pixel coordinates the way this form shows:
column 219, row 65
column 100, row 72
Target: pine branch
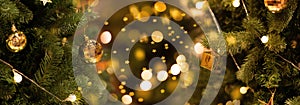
column 32, row 81
column 277, row 22
column 246, row 73
column 293, row 101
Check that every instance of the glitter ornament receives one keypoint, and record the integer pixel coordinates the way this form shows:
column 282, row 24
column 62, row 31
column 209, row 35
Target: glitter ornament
column 91, row 51
column 275, row 5
column 16, row 41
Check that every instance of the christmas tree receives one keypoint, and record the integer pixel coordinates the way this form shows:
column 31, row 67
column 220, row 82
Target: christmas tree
column 150, row 52
column 35, row 47
column 262, row 39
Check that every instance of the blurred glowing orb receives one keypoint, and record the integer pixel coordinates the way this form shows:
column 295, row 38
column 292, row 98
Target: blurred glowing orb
column 139, row 54
column 175, row 69
column 176, row 14
column 126, row 99
column 146, row 85
column 236, row 3
column 140, row 99
column 199, row 48
column 146, row 75
column 180, row 59
column 106, row 37
column 264, row 39
column 199, row 4
column 162, row 75
column 162, row 90
column 160, row 6
column 157, row 36
column 125, row 19
column 184, row 66
column 71, row 98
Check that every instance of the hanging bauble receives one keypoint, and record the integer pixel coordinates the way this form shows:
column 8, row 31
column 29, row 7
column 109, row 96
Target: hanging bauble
column 16, row 41
column 91, row 51
column 275, row 5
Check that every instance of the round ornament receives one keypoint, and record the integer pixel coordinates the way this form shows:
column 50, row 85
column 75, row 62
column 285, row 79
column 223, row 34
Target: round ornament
column 16, row 41
column 91, row 51
column 275, row 5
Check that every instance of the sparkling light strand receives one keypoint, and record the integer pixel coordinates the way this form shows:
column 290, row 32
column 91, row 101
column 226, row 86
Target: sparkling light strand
column 32, row 81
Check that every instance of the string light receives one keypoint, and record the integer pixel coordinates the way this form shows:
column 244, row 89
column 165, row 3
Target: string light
column 71, row 98
column 264, row 39
column 243, row 90
column 236, row 3
column 17, row 77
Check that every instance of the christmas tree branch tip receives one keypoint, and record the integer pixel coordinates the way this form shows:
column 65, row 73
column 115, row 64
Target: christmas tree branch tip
column 71, row 97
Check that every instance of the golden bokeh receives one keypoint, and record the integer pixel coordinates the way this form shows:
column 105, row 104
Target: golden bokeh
column 146, row 85
column 123, row 91
column 162, row 91
column 146, row 75
column 162, row 75
column 160, row 6
column 140, row 100
column 126, row 99
column 125, row 19
column 131, row 93
column 175, row 69
column 176, row 14
column 106, row 37
column 139, row 54
column 157, row 36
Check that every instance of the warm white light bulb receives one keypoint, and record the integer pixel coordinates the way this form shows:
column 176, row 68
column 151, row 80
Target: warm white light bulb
column 72, row 97
column 17, row 77
column 236, row 3
column 264, row 39
column 244, row 90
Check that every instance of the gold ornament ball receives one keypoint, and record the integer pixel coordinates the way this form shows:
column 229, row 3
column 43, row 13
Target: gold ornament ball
column 16, row 41
column 92, row 51
column 275, row 5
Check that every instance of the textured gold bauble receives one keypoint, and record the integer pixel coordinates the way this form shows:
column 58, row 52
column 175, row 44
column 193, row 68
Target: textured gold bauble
column 16, row 41
column 91, row 51
column 275, row 5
